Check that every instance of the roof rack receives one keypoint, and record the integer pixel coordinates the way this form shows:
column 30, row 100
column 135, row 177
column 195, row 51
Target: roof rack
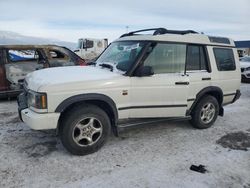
column 160, row 31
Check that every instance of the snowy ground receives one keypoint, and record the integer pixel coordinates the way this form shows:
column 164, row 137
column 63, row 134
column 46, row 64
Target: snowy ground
column 147, row 156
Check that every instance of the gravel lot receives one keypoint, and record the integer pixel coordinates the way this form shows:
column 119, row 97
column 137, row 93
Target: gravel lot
column 158, row 155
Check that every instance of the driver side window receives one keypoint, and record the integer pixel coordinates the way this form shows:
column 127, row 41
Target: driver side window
column 167, row 58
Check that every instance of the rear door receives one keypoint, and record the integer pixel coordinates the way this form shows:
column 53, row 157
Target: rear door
column 198, row 70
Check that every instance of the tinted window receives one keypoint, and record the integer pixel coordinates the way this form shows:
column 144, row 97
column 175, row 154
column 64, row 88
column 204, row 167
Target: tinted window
column 167, row 58
column 196, row 59
column 224, row 59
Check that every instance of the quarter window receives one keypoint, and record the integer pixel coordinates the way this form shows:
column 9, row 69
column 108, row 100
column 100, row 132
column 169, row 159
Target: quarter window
column 167, row 58
column 224, row 59
column 196, row 59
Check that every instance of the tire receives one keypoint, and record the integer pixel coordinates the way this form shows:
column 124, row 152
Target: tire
column 205, row 112
column 84, row 129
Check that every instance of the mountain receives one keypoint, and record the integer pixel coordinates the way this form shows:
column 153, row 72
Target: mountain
column 9, row 37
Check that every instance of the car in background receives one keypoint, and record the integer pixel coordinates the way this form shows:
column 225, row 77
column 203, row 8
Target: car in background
column 245, row 68
column 16, row 61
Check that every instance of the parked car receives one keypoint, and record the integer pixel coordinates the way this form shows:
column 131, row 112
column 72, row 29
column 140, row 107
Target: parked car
column 16, row 61
column 245, row 68
column 138, row 78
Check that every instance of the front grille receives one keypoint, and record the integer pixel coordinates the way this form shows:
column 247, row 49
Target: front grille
column 242, row 69
column 22, row 101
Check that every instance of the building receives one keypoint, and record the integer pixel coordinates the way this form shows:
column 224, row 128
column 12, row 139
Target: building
column 243, row 47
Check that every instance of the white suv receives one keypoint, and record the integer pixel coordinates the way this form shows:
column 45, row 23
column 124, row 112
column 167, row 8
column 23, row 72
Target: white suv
column 169, row 74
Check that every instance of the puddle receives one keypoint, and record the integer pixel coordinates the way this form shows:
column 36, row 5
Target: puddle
column 41, row 149
column 237, row 141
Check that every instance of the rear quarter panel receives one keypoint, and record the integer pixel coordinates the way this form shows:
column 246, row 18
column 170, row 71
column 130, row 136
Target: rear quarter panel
column 228, row 81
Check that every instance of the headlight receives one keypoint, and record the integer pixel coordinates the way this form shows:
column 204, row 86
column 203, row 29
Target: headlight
column 247, row 69
column 37, row 101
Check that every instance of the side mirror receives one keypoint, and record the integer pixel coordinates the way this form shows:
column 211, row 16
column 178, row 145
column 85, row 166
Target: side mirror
column 144, row 71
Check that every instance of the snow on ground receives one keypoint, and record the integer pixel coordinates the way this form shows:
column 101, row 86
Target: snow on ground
column 158, row 155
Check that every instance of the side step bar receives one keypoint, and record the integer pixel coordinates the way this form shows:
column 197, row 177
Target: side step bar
column 135, row 122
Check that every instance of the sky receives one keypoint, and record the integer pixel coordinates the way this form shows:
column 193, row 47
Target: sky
column 70, row 20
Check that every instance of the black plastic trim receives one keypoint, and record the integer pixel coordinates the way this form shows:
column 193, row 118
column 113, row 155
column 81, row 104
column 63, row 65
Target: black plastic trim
column 152, row 106
column 203, row 92
column 87, row 97
column 237, row 95
column 160, row 31
column 181, row 83
column 228, row 94
column 206, row 78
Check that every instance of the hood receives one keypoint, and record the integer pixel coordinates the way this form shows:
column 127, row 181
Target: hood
column 244, row 64
column 67, row 75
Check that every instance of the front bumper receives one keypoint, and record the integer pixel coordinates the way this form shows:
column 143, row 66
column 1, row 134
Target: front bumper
column 38, row 121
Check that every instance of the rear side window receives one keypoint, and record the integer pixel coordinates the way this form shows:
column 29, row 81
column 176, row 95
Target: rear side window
column 224, row 59
column 22, row 55
column 196, row 58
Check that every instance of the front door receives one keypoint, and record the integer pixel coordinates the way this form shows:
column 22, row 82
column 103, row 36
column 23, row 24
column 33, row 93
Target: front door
column 163, row 94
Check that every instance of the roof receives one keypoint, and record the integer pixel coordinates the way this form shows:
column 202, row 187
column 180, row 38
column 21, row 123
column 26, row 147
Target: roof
column 242, row 44
column 187, row 36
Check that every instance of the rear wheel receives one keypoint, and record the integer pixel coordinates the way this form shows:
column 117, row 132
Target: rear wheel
column 205, row 113
column 84, row 129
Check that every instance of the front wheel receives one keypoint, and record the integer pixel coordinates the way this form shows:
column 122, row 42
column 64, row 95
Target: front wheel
column 205, row 113
column 84, row 129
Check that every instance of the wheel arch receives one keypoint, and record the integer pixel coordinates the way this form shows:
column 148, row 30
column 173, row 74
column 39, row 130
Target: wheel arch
column 102, row 101
column 213, row 91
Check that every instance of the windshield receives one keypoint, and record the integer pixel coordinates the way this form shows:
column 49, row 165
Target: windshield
column 245, row 59
column 121, row 55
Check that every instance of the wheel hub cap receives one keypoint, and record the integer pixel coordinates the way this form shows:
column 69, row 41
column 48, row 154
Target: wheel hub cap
column 207, row 113
column 87, row 131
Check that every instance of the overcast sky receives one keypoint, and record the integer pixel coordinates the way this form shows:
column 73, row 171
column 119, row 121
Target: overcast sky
column 72, row 19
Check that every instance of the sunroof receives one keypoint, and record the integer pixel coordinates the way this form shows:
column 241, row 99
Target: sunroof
column 219, row 40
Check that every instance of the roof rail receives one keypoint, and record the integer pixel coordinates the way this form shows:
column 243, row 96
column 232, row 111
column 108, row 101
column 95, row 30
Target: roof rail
column 159, row 31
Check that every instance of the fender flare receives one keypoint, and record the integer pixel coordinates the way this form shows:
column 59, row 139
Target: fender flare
column 204, row 91
column 87, row 97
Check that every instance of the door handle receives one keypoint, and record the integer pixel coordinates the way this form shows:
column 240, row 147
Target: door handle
column 207, row 78
column 181, row 83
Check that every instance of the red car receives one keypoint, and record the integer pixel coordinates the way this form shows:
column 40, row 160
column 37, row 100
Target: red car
column 16, row 61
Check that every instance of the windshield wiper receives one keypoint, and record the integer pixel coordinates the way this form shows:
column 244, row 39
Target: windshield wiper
column 105, row 65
